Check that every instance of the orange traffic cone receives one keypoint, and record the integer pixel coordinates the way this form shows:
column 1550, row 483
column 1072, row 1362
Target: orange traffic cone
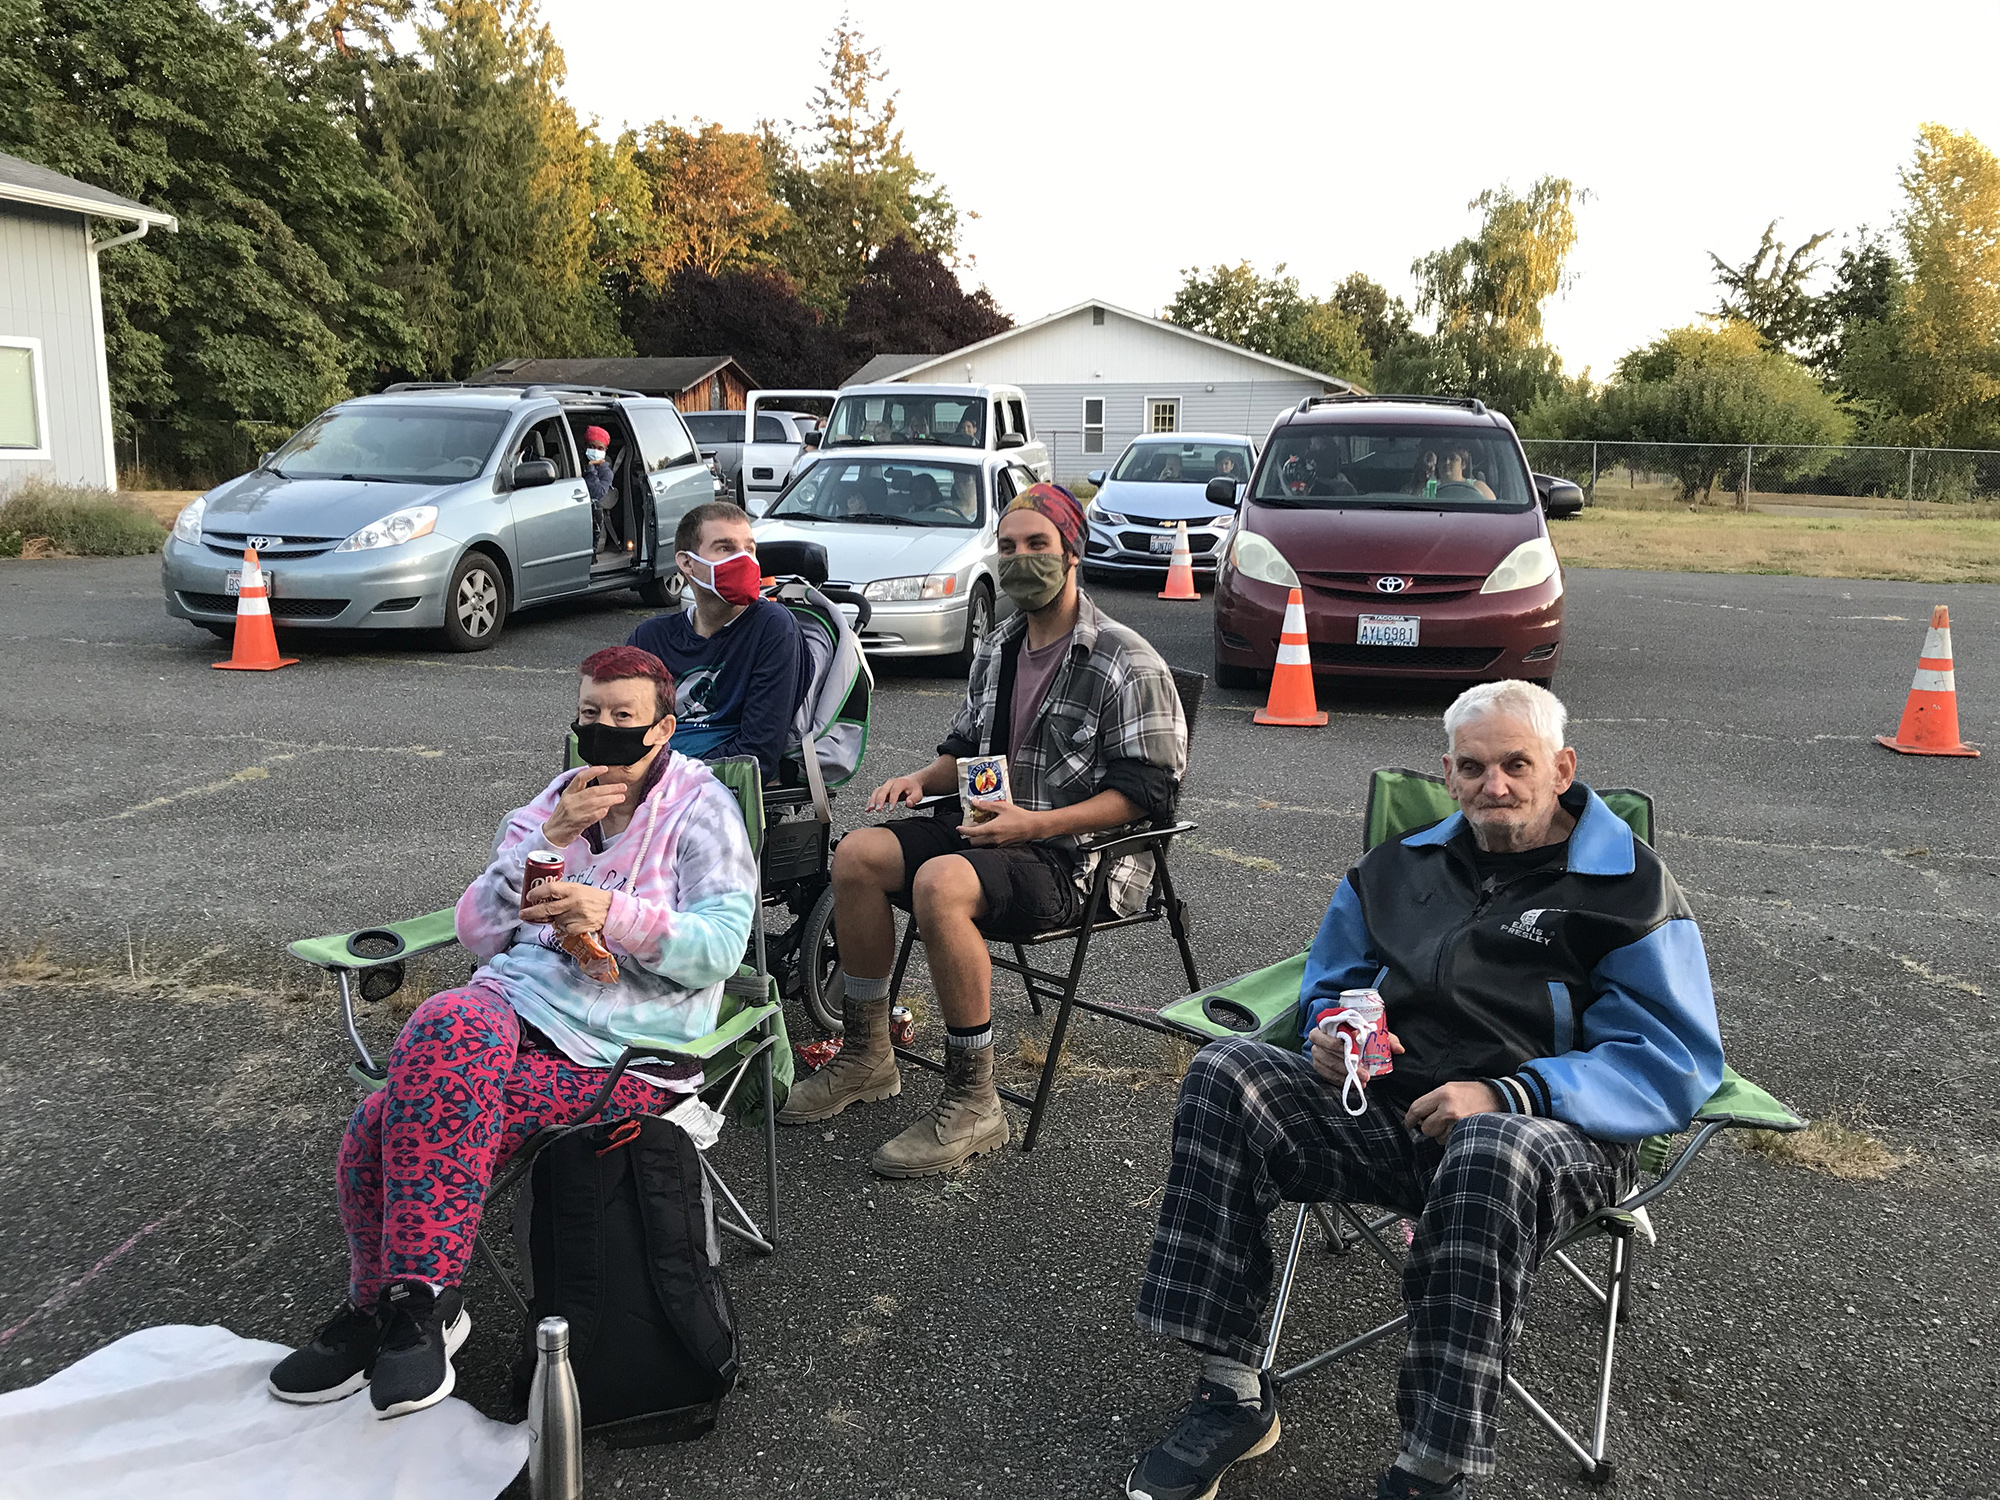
column 1930, row 716
column 256, row 645
column 1180, row 572
column 1292, row 700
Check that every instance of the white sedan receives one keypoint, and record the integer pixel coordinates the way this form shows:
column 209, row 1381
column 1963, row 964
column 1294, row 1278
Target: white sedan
column 912, row 530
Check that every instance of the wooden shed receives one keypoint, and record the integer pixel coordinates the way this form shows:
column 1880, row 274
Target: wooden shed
column 698, row 382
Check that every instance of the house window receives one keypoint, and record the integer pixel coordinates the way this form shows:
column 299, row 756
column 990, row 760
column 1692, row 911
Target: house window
column 1093, row 424
column 1163, row 415
column 1097, row 317
column 22, row 434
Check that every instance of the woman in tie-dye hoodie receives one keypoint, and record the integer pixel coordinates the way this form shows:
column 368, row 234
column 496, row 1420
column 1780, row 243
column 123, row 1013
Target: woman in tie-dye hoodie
column 657, row 861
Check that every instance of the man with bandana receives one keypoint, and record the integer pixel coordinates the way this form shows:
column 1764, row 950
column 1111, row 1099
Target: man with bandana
column 739, row 661
column 1087, row 716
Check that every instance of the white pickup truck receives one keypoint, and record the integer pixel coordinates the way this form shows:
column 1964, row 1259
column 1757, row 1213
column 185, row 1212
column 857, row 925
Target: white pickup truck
column 993, row 418
column 752, row 473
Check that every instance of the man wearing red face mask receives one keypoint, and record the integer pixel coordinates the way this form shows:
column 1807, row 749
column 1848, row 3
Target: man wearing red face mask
column 738, row 661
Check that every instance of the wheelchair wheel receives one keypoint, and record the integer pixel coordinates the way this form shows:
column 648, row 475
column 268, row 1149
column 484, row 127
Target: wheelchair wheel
column 822, row 985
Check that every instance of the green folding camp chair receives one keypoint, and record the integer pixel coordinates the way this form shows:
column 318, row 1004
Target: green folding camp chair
column 748, row 1042
column 1265, row 1004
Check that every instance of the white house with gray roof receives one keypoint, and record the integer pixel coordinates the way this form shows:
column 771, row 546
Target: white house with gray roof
column 55, row 394
column 1097, row 375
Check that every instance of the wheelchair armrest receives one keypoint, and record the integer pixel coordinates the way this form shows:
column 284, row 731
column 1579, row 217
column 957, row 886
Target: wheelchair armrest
column 1093, row 845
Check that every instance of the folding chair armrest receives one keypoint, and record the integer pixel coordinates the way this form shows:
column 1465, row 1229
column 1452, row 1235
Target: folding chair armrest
column 701, row 1048
column 412, row 936
column 1096, row 845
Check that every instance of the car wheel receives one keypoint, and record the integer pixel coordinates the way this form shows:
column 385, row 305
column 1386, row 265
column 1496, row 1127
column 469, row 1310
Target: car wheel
column 822, row 981
column 978, row 625
column 1228, row 675
column 475, row 604
column 661, row 593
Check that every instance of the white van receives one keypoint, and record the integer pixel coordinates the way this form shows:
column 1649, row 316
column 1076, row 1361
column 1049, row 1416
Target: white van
column 992, row 418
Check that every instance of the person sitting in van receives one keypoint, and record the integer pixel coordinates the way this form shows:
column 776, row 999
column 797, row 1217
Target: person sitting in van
column 658, row 867
column 968, row 428
column 738, row 659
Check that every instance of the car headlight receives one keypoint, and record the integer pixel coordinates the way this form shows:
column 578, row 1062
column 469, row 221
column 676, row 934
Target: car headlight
column 1106, row 517
column 1533, row 562
column 902, row 590
column 393, row 530
column 1257, row 557
column 187, row 525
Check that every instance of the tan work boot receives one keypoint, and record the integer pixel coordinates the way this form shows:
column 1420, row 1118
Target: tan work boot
column 862, row 1071
column 967, row 1119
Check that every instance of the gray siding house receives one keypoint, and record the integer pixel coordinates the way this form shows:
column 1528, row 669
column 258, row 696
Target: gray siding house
column 55, row 395
column 1096, row 376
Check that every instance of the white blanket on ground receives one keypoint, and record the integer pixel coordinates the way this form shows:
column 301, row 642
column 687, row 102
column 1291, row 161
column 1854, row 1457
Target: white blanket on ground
column 181, row 1413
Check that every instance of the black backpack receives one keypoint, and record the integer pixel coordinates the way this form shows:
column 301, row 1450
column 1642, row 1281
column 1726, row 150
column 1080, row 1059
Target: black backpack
column 622, row 1242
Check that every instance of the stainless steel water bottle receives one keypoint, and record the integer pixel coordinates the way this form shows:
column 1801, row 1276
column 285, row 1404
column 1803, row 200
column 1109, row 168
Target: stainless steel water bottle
column 555, row 1420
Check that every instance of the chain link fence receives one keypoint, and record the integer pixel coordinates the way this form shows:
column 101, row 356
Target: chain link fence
column 1918, row 481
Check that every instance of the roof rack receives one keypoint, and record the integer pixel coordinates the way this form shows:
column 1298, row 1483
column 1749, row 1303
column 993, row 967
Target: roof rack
column 529, row 389
column 1468, row 403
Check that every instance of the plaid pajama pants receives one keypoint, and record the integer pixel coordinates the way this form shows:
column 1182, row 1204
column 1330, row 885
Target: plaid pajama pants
column 1256, row 1126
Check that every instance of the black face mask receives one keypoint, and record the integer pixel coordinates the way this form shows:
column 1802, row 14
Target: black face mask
column 611, row 744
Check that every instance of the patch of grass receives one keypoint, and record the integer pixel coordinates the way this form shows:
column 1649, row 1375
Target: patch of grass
column 162, row 505
column 1827, row 1146
column 40, row 519
column 1923, row 550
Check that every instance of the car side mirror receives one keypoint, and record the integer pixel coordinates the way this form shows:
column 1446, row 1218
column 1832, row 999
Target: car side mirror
column 1096, row 478
column 265, row 461
column 532, row 473
column 811, row 439
column 1011, row 440
column 1221, row 490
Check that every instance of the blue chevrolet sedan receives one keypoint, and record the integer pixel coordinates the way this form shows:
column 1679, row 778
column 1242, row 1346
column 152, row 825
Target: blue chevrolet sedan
column 1159, row 479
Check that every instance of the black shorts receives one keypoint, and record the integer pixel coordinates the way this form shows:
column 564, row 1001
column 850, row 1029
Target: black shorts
column 1027, row 887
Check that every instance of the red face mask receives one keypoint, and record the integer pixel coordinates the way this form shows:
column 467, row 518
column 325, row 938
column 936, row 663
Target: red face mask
column 734, row 580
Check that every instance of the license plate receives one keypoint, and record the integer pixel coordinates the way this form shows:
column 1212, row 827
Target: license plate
column 1387, row 630
column 1161, row 543
column 232, row 582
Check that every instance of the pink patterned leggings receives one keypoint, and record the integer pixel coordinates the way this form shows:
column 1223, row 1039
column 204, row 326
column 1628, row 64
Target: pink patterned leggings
column 461, row 1098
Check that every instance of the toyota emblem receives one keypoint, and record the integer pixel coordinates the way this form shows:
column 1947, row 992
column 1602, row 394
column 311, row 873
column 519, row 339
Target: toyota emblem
column 261, row 542
column 1392, row 584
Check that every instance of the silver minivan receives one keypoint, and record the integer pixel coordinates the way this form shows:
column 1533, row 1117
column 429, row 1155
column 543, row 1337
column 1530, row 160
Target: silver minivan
column 444, row 508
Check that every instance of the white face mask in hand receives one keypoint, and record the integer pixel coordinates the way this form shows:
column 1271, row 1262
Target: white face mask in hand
column 593, row 455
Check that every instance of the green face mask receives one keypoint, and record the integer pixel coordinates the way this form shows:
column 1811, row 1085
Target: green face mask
column 1032, row 579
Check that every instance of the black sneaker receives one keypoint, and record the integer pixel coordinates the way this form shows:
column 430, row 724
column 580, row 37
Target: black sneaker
column 334, row 1364
column 421, row 1330
column 1400, row 1484
column 1215, row 1431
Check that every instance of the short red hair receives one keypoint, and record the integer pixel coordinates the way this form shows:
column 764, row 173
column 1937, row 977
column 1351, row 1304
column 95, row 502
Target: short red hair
column 624, row 663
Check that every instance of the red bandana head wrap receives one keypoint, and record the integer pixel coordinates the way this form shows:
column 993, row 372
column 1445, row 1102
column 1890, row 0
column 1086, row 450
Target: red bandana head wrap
column 1061, row 509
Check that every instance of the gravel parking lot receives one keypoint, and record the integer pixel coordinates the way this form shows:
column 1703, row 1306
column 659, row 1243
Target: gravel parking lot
column 170, row 1084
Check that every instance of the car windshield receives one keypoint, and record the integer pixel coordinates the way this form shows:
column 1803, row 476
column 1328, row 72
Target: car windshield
column 1183, row 463
column 713, row 427
column 893, row 492
column 399, row 444
column 954, row 421
column 1425, row 468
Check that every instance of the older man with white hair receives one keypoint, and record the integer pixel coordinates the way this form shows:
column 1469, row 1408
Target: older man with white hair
column 1548, row 1001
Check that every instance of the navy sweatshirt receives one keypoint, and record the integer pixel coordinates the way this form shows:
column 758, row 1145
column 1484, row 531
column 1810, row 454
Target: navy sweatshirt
column 737, row 691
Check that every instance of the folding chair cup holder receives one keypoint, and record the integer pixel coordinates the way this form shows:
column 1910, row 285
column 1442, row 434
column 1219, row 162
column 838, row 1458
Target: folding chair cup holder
column 1264, row 1004
column 749, row 1035
column 1059, row 988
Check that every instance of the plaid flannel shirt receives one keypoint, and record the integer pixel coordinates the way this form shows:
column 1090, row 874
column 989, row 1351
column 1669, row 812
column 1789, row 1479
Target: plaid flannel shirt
column 1111, row 700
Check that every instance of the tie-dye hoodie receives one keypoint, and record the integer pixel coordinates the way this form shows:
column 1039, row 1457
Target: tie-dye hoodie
column 683, row 886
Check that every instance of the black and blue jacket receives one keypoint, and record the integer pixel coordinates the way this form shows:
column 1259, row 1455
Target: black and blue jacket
column 1579, row 989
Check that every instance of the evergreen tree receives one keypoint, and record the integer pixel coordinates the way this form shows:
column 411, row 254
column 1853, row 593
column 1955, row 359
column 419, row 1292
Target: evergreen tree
column 268, row 305
column 1768, row 291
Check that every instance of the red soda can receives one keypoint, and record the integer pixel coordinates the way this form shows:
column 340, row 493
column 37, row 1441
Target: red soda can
column 1375, row 1055
column 902, row 1026
column 543, row 866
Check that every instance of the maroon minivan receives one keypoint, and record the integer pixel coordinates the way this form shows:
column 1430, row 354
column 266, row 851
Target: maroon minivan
column 1411, row 527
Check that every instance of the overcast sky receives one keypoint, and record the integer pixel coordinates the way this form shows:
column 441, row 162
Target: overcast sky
column 1105, row 147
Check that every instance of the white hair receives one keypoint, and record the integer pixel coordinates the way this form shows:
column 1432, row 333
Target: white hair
column 1542, row 710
